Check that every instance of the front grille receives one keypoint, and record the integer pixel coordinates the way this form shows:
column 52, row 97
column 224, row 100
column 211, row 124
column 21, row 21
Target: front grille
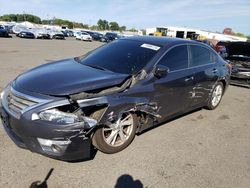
column 17, row 104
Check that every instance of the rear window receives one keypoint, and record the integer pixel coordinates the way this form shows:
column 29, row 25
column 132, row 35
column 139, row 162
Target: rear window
column 214, row 57
column 121, row 56
column 199, row 56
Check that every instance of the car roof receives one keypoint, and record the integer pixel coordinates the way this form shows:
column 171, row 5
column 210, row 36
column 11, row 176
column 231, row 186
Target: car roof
column 161, row 41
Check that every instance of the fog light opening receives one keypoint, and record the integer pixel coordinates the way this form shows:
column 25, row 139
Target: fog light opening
column 55, row 148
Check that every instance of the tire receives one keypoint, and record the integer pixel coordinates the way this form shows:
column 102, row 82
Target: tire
column 215, row 96
column 104, row 141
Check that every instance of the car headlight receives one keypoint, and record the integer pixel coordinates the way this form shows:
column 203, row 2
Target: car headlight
column 1, row 98
column 7, row 88
column 58, row 116
column 1, row 95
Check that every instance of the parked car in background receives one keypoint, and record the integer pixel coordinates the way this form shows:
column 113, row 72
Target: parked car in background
column 3, row 32
column 10, row 29
column 105, row 97
column 64, row 33
column 111, row 36
column 99, row 37
column 41, row 35
column 89, row 32
column 26, row 34
column 75, row 33
column 83, row 36
column 69, row 33
column 59, row 36
column 78, row 35
column 238, row 54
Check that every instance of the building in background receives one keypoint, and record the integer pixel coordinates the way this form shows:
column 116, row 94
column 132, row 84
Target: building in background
column 189, row 33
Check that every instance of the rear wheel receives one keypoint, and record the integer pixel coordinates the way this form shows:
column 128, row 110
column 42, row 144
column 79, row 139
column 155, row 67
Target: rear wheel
column 216, row 96
column 116, row 136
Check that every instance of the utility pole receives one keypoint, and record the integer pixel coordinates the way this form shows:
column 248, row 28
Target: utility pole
column 24, row 16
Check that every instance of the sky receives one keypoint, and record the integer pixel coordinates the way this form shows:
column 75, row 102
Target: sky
column 212, row 15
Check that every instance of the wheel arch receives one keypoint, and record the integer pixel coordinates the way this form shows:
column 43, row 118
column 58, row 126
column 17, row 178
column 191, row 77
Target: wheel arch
column 224, row 83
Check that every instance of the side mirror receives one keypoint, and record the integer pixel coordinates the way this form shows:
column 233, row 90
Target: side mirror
column 161, row 71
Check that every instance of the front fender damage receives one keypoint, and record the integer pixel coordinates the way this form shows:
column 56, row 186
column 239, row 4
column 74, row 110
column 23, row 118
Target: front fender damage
column 145, row 111
column 102, row 92
column 107, row 105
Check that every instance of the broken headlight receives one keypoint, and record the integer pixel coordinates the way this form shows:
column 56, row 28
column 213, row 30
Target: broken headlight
column 58, row 116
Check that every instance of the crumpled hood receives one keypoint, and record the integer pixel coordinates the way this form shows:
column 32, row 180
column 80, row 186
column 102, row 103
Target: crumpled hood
column 238, row 48
column 66, row 77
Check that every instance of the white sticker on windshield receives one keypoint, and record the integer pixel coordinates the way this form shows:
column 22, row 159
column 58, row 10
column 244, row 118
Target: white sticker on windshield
column 150, row 46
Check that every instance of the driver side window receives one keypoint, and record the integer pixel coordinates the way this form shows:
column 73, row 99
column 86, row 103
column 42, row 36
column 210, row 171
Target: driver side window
column 176, row 58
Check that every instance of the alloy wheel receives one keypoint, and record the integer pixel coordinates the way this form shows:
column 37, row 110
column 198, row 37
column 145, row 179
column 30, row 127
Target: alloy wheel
column 217, row 95
column 117, row 133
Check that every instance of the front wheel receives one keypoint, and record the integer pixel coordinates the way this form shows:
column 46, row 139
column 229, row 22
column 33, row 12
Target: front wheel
column 116, row 136
column 216, row 96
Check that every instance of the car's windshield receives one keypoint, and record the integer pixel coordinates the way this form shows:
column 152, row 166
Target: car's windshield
column 121, row 56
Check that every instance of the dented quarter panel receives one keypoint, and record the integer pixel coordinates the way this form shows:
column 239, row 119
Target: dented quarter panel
column 204, row 79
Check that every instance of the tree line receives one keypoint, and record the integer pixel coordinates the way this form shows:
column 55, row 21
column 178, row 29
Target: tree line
column 21, row 18
column 100, row 25
column 105, row 25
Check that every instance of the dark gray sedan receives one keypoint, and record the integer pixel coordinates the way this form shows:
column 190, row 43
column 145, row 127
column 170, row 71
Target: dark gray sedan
column 68, row 108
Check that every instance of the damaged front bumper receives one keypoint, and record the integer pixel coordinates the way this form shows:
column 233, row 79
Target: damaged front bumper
column 34, row 129
column 46, row 139
column 68, row 142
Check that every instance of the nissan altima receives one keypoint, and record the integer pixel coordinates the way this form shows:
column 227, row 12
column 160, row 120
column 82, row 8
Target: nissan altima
column 101, row 100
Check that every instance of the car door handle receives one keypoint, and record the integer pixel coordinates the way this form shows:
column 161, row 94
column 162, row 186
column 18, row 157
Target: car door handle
column 189, row 78
column 215, row 70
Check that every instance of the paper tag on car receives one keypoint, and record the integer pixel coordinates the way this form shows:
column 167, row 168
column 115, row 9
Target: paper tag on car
column 150, row 46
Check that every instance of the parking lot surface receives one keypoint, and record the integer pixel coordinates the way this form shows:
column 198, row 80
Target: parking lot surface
column 202, row 149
